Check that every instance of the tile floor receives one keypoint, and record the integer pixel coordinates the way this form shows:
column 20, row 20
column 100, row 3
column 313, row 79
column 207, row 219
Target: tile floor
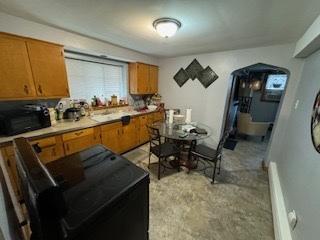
column 186, row 206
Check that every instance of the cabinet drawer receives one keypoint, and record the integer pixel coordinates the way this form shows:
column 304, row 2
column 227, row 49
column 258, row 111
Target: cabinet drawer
column 45, row 142
column 77, row 134
column 110, row 126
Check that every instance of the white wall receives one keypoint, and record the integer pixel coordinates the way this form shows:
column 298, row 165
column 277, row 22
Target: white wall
column 19, row 26
column 299, row 163
column 209, row 104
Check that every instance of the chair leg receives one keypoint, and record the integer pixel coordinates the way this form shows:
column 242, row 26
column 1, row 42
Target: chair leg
column 214, row 172
column 177, row 158
column 159, row 169
column 219, row 166
column 149, row 160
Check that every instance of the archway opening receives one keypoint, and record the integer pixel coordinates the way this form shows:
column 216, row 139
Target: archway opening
column 253, row 105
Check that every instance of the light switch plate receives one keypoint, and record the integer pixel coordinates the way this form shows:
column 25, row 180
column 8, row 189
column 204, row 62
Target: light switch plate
column 296, row 105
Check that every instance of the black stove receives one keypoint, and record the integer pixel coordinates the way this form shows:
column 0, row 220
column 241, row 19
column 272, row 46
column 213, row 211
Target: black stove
column 105, row 196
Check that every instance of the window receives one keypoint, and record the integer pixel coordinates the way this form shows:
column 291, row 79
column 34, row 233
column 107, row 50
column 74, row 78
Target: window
column 90, row 76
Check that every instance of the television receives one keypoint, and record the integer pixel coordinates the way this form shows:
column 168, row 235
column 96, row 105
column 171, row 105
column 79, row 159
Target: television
column 276, row 82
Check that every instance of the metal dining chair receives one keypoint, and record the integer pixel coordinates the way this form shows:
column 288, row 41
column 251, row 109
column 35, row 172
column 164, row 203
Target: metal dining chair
column 208, row 154
column 161, row 150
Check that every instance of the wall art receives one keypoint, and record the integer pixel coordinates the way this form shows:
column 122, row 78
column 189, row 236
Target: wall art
column 181, row 77
column 206, row 76
column 194, row 69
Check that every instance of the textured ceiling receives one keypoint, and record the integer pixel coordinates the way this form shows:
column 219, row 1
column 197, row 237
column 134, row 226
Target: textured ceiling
column 207, row 25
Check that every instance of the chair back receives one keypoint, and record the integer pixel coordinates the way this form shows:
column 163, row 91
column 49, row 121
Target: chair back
column 42, row 195
column 243, row 123
column 221, row 143
column 154, row 137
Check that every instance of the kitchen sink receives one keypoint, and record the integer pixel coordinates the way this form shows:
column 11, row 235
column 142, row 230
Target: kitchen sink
column 107, row 116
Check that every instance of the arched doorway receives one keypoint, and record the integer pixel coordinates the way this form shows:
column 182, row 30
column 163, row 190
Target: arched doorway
column 254, row 102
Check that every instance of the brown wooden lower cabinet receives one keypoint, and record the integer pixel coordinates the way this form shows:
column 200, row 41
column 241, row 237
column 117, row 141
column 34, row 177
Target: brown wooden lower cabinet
column 51, row 148
column 120, row 138
column 80, row 140
column 143, row 133
column 130, row 135
column 110, row 136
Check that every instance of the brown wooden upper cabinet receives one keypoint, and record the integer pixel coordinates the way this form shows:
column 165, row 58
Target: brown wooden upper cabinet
column 143, row 78
column 15, row 71
column 31, row 69
column 48, row 68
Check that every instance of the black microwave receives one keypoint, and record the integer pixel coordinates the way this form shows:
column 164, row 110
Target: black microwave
column 18, row 121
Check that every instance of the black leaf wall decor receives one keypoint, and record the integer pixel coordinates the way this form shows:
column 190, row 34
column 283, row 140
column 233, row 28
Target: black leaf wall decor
column 194, row 69
column 181, row 77
column 206, row 76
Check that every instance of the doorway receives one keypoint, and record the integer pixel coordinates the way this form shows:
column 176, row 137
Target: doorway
column 253, row 104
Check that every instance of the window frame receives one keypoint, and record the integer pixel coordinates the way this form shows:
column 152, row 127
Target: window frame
column 73, row 55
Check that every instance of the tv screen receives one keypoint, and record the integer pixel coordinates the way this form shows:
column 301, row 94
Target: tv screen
column 276, row 82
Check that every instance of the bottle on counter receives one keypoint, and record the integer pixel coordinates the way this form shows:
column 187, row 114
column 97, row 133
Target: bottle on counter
column 94, row 101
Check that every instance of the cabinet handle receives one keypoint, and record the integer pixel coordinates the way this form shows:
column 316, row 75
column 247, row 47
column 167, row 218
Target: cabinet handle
column 53, row 152
column 118, row 132
column 122, row 131
column 78, row 133
column 40, row 89
column 67, row 146
column 25, row 88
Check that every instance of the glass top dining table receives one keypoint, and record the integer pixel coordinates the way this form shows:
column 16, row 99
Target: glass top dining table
column 175, row 131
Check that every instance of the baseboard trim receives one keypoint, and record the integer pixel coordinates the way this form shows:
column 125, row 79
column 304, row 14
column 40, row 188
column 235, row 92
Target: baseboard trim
column 280, row 220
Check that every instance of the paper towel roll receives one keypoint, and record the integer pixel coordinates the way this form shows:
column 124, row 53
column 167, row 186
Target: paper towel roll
column 188, row 115
column 171, row 116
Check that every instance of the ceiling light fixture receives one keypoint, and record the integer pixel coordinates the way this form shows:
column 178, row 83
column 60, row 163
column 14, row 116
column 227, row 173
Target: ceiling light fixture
column 166, row 27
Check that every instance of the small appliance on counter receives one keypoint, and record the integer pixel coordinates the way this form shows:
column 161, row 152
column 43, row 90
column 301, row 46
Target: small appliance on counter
column 28, row 118
column 72, row 113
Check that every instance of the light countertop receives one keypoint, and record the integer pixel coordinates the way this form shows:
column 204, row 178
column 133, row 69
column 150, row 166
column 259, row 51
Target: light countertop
column 64, row 126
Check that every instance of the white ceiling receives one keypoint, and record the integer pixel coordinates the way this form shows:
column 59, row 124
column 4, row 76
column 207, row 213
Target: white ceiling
column 207, row 25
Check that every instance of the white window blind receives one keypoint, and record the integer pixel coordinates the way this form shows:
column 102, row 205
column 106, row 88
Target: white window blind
column 88, row 79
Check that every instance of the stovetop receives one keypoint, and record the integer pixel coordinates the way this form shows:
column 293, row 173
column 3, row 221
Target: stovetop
column 102, row 177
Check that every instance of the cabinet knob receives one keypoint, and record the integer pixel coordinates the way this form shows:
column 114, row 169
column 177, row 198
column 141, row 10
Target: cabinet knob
column 25, row 88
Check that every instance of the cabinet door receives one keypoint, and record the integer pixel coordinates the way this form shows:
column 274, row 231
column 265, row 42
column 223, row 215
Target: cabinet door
column 48, row 68
column 111, row 136
column 153, row 78
column 143, row 85
column 130, row 135
column 15, row 71
column 51, row 148
column 143, row 131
